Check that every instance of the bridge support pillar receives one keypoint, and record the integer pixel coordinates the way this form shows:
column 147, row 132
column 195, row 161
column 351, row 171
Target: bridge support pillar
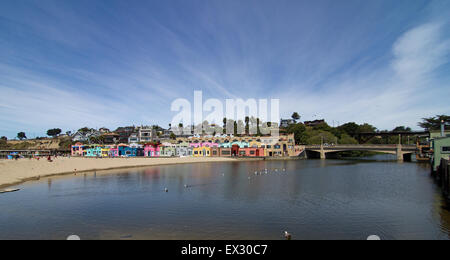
column 399, row 153
column 322, row 153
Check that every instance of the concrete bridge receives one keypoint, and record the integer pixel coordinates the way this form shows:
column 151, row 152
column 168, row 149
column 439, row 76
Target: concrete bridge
column 402, row 151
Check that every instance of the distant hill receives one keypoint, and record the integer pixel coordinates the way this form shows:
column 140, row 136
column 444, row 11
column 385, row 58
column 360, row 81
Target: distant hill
column 61, row 143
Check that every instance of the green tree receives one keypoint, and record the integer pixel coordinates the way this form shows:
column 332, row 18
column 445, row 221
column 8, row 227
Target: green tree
column 84, row 130
column 54, row 132
column 247, row 126
column 3, row 144
column 434, row 123
column 299, row 133
column 21, row 135
column 4, row 138
column 224, row 125
column 317, row 136
column 402, row 129
column 258, row 130
column 295, row 116
column 323, row 127
column 351, row 129
column 366, row 128
column 346, row 139
column 173, row 136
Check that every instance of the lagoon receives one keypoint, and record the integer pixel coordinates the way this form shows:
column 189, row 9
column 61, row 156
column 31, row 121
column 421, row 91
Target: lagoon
column 312, row 199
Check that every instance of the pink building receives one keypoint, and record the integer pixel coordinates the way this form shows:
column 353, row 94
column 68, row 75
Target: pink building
column 114, row 152
column 205, row 144
column 151, row 151
column 77, row 149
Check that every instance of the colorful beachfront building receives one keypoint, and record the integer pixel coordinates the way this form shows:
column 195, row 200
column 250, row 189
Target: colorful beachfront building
column 93, row 151
column 126, row 151
column 230, row 144
column 105, row 152
column 152, row 150
column 251, row 152
column 204, row 144
column 201, row 151
column 215, row 151
column 168, row 151
column 77, row 149
column 250, row 146
column 114, row 151
column 225, row 152
column 182, row 150
column 282, row 145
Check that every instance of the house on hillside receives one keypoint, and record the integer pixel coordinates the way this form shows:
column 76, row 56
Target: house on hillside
column 146, row 134
column 104, row 130
column 110, row 138
column 124, row 133
column 286, row 122
column 314, row 123
column 82, row 136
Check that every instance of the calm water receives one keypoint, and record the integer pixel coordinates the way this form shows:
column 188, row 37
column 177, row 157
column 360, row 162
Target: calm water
column 312, row 199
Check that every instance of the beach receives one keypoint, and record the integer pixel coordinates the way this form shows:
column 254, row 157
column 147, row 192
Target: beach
column 14, row 172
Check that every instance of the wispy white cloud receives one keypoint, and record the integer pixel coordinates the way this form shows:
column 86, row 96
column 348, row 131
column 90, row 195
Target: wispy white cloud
column 114, row 63
column 399, row 94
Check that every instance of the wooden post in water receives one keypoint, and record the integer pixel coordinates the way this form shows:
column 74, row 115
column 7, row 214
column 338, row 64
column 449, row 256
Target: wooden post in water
column 445, row 177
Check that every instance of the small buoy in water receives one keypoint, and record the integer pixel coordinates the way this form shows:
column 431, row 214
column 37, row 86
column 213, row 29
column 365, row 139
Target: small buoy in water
column 373, row 237
column 287, row 235
column 166, row 190
column 276, row 170
column 284, row 170
column 185, row 186
column 249, row 178
column 73, row 237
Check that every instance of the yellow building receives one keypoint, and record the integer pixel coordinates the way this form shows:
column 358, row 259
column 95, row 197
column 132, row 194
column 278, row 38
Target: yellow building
column 105, row 152
column 258, row 144
column 201, row 151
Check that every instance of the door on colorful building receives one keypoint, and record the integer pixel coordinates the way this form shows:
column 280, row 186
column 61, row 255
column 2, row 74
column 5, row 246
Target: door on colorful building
column 234, row 150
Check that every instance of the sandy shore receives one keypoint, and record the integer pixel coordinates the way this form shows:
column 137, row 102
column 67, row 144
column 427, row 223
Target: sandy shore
column 14, row 172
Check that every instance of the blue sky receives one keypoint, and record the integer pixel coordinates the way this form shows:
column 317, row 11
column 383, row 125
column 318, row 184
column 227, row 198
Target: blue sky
column 70, row 64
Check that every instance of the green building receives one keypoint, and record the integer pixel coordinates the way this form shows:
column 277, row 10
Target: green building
column 441, row 149
column 437, row 134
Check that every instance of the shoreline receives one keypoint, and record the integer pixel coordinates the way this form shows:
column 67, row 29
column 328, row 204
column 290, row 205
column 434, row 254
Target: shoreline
column 14, row 172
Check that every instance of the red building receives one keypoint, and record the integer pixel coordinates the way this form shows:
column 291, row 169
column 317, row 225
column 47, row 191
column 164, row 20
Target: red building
column 225, row 152
column 251, row 152
column 235, row 150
